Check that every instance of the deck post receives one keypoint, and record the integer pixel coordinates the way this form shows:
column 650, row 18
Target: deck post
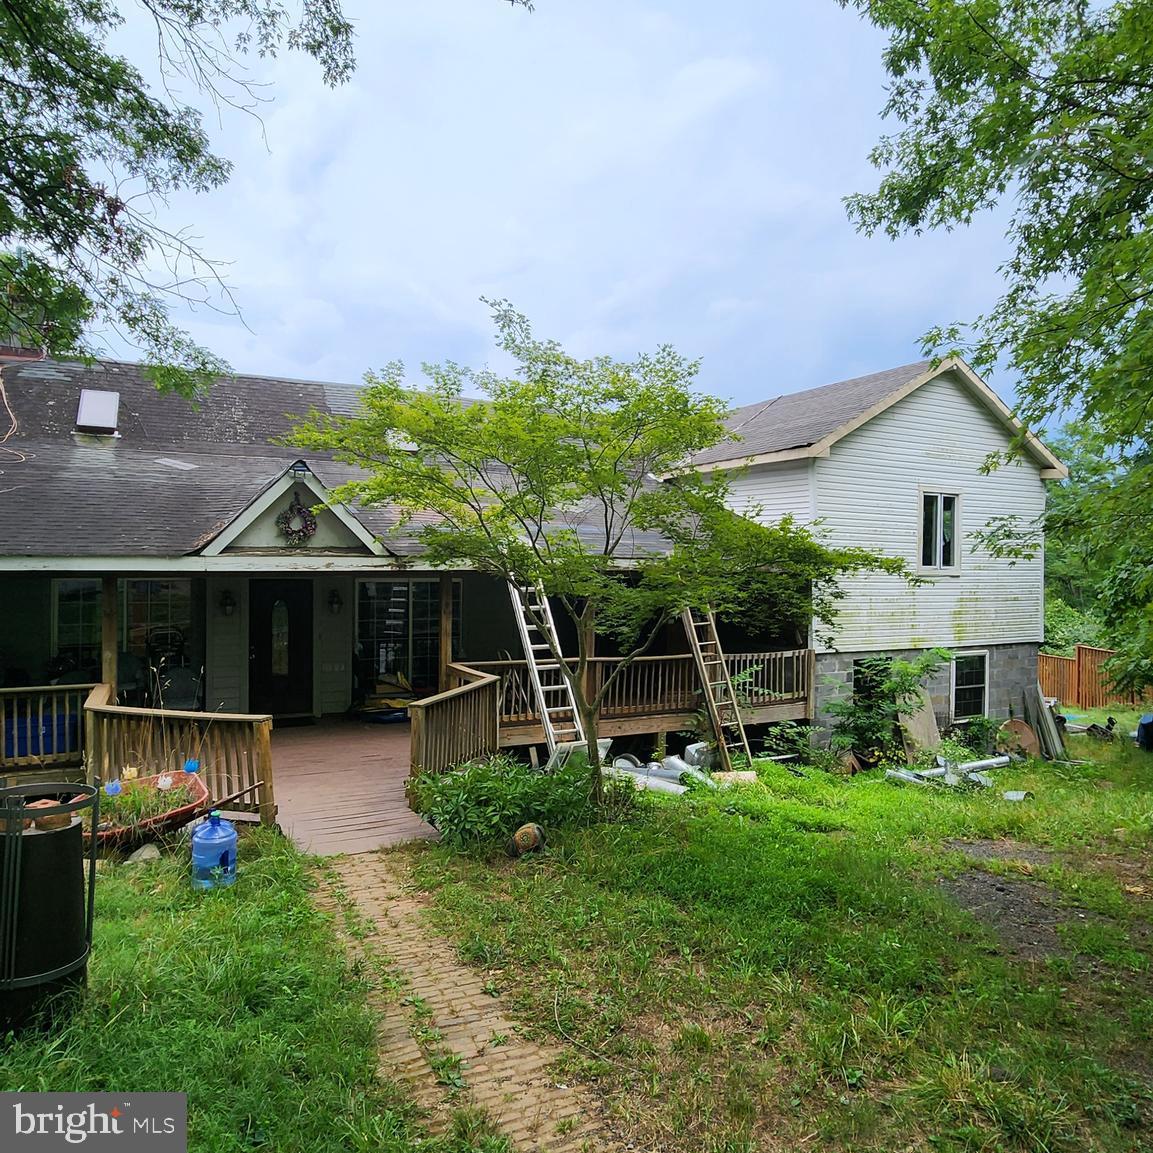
column 262, row 731
column 445, row 630
column 109, row 631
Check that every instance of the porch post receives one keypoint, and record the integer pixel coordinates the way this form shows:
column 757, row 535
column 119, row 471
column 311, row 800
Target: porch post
column 109, row 632
column 445, row 629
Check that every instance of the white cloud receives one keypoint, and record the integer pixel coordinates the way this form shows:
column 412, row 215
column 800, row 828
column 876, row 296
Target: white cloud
column 625, row 175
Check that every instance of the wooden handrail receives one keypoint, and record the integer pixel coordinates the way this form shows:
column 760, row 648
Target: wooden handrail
column 27, row 690
column 458, row 725
column 178, row 714
column 665, row 684
column 234, row 749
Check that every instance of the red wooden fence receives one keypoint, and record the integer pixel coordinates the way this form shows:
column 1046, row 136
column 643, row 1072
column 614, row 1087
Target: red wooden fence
column 1080, row 681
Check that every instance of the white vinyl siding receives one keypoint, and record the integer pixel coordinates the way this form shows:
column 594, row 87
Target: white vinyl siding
column 226, row 644
column 778, row 490
column 869, row 492
column 332, row 643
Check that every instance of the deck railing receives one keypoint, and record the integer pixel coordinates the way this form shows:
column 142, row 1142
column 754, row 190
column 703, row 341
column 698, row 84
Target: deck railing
column 458, row 725
column 234, row 749
column 665, row 684
column 41, row 726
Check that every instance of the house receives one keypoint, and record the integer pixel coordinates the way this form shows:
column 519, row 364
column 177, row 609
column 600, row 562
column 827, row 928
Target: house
column 897, row 461
column 179, row 555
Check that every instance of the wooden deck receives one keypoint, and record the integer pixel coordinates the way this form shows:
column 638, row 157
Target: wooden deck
column 340, row 786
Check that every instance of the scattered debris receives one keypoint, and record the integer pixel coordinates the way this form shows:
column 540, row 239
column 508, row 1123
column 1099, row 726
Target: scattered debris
column 656, row 775
column 919, row 728
column 949, row 774
column 1017, row 795
column 643, row 781
column 1015, row 736
column 144, row 854
column 1102, row 732
column 850, row 764
column 1039, row 714
column 737, row 777
column 528, row 838
column 699, row 755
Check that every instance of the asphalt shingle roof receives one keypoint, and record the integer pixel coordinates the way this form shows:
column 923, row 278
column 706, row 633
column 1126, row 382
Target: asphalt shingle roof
column 176, row 474
column 804, row 418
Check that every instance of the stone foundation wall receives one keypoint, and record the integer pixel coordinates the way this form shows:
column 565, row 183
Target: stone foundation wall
column 1011, row 670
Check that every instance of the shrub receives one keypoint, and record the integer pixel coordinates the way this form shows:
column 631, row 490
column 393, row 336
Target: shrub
column 883, row 687
column 489, row 800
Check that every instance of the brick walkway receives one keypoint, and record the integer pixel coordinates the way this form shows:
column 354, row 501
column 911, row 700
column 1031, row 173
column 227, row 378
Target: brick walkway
column 439, row 1027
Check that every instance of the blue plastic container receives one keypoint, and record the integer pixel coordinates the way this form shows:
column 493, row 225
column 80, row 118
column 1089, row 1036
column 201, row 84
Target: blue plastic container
column 213, row 853
column 56, row 733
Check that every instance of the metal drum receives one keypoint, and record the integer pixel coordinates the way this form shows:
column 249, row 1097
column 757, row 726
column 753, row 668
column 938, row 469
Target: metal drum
column 45, row 901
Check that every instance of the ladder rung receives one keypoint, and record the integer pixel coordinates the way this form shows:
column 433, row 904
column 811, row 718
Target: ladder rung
column 554, row 688
column 548, row 647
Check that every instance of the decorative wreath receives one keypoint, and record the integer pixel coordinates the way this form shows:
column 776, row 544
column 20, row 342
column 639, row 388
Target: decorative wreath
column 297, row 523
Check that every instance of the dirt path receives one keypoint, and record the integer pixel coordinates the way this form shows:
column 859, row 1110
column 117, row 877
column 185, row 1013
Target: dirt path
column 443, row 1032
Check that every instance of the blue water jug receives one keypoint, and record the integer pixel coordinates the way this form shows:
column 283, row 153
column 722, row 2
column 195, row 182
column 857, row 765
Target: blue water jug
column 213, row 853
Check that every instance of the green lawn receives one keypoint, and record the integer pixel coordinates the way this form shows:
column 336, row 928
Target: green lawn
column 239, row 997
column 788, row 966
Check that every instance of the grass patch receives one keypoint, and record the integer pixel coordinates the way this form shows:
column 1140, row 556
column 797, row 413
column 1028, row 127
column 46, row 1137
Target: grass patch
column 239, row 997
column 778, row 967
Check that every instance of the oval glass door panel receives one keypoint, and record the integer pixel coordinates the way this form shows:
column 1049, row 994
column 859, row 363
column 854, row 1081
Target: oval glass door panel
column 279, row 639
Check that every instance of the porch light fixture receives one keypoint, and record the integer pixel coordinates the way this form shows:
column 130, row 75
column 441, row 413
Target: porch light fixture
column 298, row 470
column 335, row 602
column 227, row 603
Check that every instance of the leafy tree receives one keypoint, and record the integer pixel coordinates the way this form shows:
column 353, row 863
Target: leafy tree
column 551, row 480
column 90, row 151
column 1048, row 104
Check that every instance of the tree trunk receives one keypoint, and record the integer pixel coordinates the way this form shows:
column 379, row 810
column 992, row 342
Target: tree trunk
column 590, row 719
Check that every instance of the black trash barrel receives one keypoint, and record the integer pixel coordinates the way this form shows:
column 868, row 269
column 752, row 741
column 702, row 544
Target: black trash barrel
column 45, row 901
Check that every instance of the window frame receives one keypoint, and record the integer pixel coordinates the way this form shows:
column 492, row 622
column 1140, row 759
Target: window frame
column 412, row 634
column 937, row 568
column 984, row 655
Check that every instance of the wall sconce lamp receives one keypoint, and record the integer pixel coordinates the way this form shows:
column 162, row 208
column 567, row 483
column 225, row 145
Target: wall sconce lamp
column 335, row 602
column 298, row 470
column 227, row 603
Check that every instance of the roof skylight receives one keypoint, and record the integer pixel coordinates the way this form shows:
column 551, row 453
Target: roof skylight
column 98, row 412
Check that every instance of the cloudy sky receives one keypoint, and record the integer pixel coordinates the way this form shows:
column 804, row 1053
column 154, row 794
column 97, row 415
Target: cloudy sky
column 626, row 172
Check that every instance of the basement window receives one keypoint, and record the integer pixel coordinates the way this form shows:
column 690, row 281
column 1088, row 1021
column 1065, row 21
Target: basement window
column 939, row 531
column 98, row 412
column 970, row 686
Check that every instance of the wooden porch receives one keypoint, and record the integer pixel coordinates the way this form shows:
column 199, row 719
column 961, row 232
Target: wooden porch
column 491, row 705
column 338, row 786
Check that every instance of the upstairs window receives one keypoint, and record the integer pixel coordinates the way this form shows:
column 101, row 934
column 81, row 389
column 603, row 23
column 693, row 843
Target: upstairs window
column 939, row 536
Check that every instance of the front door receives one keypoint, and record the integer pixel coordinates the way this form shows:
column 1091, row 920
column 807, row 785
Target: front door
column 280, row 647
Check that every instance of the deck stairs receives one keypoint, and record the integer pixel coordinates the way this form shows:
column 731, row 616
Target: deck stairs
column 717, row 687
column 553, row 693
